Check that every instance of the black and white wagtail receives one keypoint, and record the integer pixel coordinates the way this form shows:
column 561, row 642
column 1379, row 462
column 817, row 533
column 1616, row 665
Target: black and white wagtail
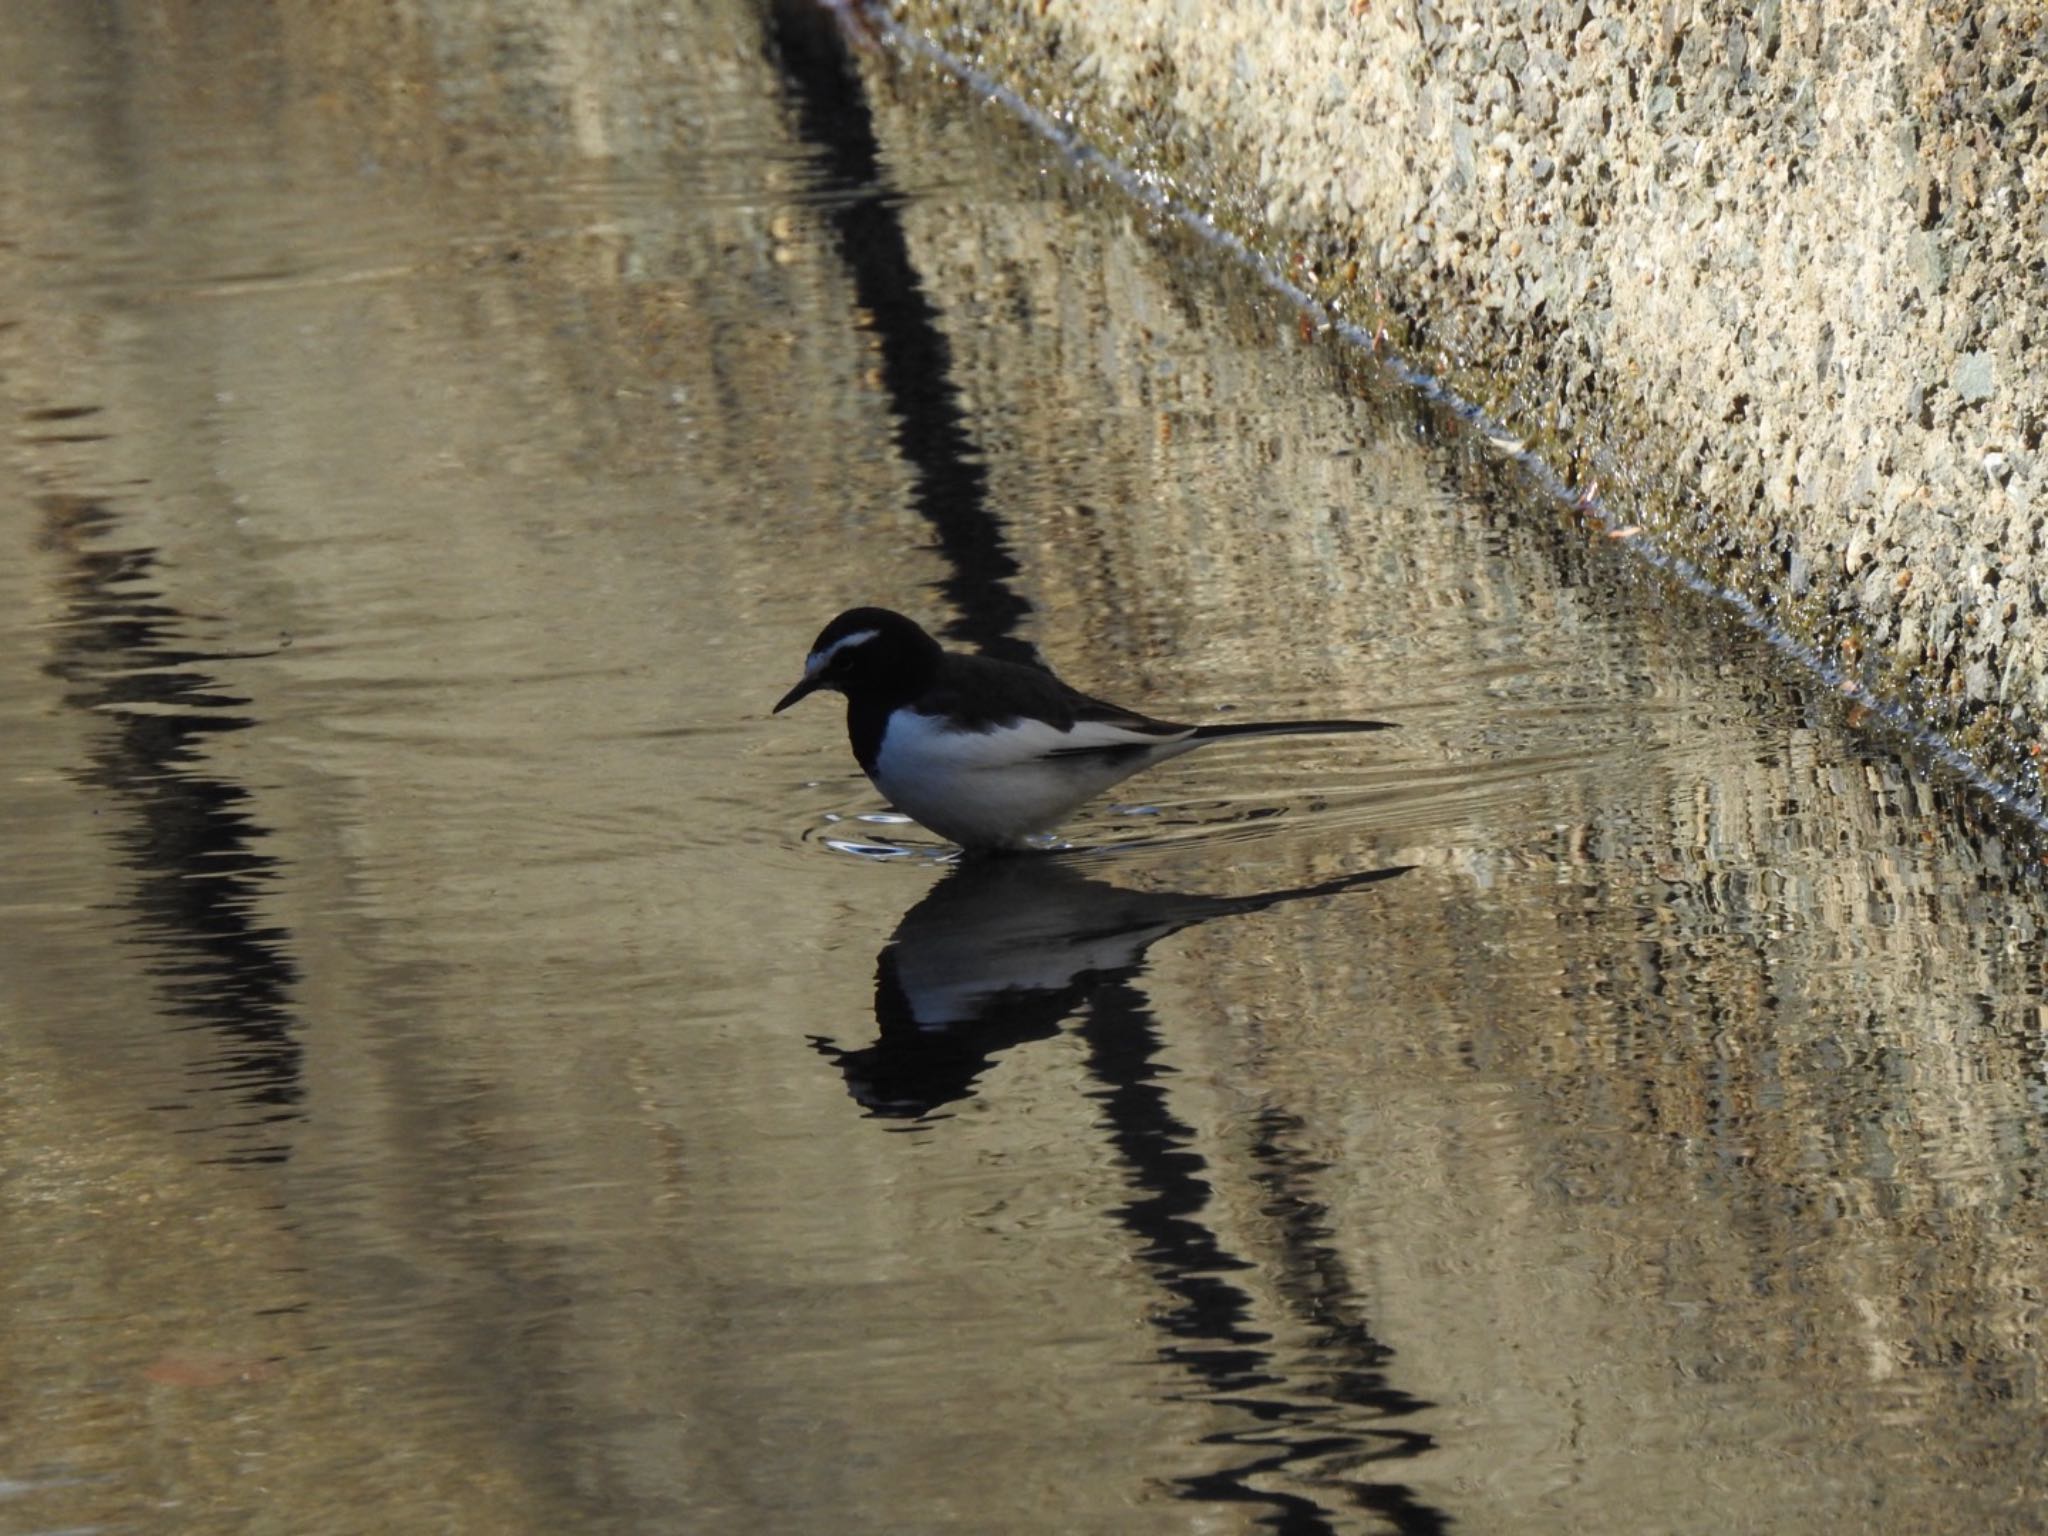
column 988, row 752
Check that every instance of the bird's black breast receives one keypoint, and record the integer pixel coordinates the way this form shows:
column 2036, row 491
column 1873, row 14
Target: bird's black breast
column 866, row 721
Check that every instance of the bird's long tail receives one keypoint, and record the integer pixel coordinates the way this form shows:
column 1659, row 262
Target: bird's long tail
column 1288, row 728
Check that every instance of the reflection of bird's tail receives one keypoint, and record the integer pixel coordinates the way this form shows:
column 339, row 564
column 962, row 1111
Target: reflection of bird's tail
column 1330, row 887
column 1288, row 728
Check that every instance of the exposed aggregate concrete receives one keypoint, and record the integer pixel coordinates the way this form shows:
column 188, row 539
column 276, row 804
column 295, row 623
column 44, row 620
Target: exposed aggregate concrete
column 1774, row 276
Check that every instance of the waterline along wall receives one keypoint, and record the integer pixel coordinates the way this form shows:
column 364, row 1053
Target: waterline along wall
column 1771, row 280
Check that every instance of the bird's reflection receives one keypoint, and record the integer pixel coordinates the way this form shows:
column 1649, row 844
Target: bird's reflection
column 1003, row 951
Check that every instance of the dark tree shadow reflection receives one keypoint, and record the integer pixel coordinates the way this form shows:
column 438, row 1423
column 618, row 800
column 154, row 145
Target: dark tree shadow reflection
column 1004, row 952
column 186, row 832
column 949, row 474
column 1001, row 953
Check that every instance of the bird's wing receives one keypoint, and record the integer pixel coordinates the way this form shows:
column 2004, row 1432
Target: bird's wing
column 1109, row 730
column 980, row 694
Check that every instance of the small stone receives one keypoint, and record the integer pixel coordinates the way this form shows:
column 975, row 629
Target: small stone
column 1918, row 408
column 1768, row 29
column 2013, row 103
column 1975, row 378
column 1927, row 260
column 1927, row 201
column 1964, row 181
column 1857, row 553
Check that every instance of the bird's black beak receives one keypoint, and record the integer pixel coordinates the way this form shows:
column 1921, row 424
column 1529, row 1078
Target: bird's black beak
column 808, row 686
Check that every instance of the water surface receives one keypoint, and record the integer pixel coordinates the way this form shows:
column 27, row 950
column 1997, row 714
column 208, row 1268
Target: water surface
column 467, row 1067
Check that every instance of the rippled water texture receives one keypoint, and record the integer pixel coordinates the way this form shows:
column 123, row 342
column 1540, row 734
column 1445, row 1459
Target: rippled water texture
column 467, row 1068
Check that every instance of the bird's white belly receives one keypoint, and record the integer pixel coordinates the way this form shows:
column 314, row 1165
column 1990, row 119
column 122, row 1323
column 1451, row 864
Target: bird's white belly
column 984, row 788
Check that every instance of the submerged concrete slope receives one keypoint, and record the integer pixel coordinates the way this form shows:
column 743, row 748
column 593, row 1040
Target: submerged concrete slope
column 1773, row 278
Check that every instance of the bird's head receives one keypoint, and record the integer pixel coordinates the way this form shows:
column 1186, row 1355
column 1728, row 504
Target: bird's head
column 867, row 651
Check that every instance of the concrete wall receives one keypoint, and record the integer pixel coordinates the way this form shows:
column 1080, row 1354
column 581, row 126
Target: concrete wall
column 1773, row 277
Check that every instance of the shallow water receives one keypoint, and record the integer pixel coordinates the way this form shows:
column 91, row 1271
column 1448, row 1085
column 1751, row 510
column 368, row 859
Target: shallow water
column 467, row 1067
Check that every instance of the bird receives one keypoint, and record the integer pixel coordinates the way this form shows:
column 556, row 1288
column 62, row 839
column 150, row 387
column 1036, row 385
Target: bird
column 990, row 753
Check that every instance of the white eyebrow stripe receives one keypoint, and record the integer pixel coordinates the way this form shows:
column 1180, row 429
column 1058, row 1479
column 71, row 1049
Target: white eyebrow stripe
column 818, row 659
